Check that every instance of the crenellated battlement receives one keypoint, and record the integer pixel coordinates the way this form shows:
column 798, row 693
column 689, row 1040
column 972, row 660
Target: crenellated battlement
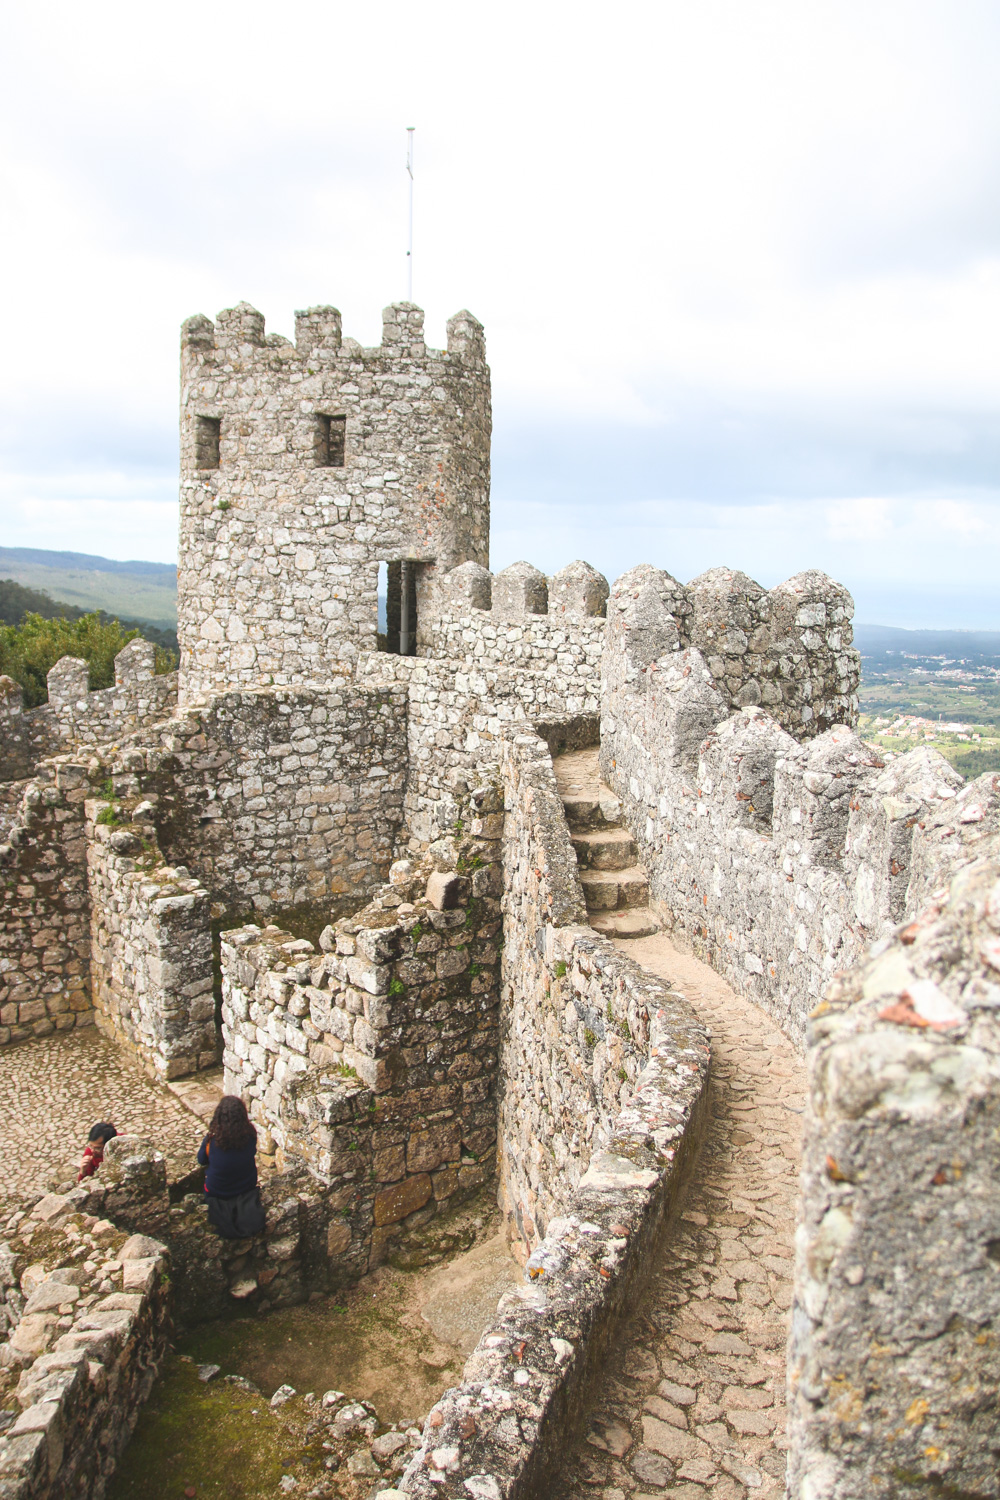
column 303, row 467
column 788, row 649
column 781, row 854
column 75, row 716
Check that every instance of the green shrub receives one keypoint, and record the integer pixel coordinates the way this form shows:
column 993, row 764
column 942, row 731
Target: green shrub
column 28, row 650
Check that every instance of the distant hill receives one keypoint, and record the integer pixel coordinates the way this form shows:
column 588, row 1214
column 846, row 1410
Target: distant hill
column 145, row 592
column 875, row 640
column 16, row 601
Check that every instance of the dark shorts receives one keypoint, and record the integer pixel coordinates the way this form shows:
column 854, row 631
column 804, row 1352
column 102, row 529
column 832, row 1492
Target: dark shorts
column 237, row 1218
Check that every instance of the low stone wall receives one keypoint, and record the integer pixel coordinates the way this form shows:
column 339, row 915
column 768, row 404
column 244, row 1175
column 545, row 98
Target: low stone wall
column 74, row 716
column 151, row 945
column 212, row 1277
column 604, row 1200
column 575, row 1011
column 44, row 934
column 894, row 1359
column 278, row 798
column 88, row 1322
column 779, row 862
column 374, row 1062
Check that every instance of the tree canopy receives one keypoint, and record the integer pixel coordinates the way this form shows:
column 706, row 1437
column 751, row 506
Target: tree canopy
column 28, row 650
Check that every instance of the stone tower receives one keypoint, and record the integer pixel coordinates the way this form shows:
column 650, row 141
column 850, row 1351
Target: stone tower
column 303, row 467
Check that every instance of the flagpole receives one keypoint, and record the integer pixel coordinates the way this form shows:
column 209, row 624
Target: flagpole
column 409, row 253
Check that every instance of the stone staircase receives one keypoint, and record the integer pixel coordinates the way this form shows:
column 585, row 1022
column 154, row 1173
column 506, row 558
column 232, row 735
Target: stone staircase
column 614, row 884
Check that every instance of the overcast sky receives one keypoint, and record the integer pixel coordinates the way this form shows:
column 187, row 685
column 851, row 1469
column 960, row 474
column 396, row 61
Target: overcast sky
column 738, row 262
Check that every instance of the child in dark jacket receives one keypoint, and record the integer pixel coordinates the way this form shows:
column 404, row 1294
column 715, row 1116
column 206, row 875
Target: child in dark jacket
column 94, row 1153
column 228, row 1153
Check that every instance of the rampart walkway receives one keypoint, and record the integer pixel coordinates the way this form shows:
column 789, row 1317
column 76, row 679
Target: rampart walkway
column 694, row 1403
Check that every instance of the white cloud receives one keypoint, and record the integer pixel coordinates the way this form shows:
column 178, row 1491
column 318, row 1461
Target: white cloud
column 738, row 265
column 861, row 520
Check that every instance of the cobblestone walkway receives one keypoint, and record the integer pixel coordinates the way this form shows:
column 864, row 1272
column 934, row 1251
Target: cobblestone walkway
column 52, row 1090
column 693, row 1405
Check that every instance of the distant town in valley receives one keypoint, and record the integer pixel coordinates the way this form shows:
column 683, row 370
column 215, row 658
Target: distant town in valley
column 938, row 687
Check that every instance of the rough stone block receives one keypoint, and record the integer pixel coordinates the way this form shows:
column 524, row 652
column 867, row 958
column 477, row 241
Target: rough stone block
column 403, row 1198
column 520, row 591
column 443, row 889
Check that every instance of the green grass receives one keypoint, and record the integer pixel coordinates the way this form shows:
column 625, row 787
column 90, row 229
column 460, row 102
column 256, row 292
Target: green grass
column 205, row 1437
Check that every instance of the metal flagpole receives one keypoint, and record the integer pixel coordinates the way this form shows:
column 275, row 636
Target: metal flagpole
column 409, row 254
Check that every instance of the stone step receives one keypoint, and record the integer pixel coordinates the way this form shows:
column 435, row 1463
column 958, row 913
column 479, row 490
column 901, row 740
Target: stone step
column 199, row 1092
column 605, row 890
column 637, row 922
column 600, row 809
column 604, row 849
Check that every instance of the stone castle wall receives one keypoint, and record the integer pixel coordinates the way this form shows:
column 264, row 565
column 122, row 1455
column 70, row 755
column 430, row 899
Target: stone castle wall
column 277, row 799
column 75, row 717
column 576, row 1013
column 894, row 1359
column 89, row 1333
column 282, row 533
column 374, row 1062
column 503, row 1432
column 787, row 650
column 44, row 936
column 780, row 861
column 151, row 945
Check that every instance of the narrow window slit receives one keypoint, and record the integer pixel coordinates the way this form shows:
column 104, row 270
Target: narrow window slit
column 207, row 435
column 331, row 442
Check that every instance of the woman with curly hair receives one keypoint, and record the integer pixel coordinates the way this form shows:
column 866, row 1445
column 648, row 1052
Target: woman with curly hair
column 228, row 1153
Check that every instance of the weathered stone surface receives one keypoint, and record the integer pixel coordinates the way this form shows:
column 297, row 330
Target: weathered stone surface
column 78, row 1401
column 75, row 716
column 443, row 890
column 896, row 1286
column 780, row 861
column 150, row 951
column 402, row 1198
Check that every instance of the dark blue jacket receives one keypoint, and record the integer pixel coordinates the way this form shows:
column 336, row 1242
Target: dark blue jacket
column 230, row 1173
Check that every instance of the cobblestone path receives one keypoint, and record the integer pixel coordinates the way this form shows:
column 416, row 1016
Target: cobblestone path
column 693, row 1403
column 52, row 1090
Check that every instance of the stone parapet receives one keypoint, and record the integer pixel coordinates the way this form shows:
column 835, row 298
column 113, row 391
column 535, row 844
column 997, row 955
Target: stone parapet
column 151, row 944
column 87, row 1334
column 780, row 861
column 788, row 650
column 894, row 1359
column 634, row 1063
column 44, row 936
column 74, row 717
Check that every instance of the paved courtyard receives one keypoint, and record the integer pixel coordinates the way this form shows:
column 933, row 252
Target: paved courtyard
column 694, row 1403
column 55, row 1088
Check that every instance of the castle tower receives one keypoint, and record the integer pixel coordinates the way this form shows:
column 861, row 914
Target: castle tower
column 303, row 467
